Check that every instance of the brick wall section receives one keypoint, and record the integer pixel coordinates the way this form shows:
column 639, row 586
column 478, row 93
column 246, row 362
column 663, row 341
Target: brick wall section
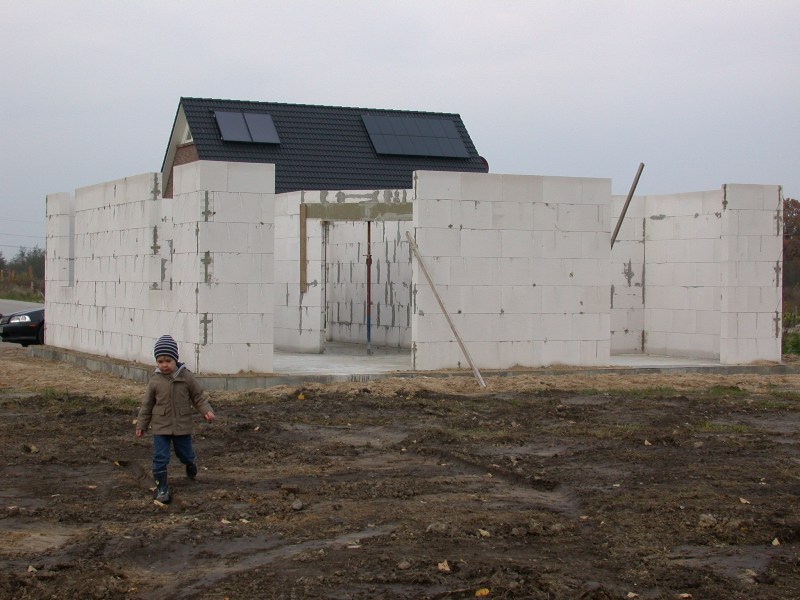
column 185, row 154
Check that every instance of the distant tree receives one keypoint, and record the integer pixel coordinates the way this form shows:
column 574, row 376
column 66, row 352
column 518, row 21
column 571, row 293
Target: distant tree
column 791, row 251
column 27, row 265
column 791, row 229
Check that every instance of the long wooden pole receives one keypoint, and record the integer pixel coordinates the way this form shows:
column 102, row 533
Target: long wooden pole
column 475, row 371
column 627, row 202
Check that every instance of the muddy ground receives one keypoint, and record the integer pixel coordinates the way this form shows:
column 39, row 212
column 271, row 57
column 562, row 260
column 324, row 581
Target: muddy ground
column 540, row 486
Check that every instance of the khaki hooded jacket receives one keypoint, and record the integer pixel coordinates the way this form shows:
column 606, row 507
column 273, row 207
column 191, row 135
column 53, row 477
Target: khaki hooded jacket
column 169, row 403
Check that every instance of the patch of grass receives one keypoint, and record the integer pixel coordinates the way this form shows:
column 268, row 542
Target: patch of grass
column 786, row 394
column 129, row 401
column 659, row 391
column 648, row 392
column 791, row 343
column 52, row 394
column 774, row 404
column 599, row 432
column 779, row 400
column 716, row 427
column 479, row 434
column 63, row 399
column 726, row 391
column 21, row 293
column 614, row 431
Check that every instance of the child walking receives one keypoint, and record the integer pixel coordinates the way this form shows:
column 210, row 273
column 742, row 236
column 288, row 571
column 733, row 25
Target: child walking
column 167, row 407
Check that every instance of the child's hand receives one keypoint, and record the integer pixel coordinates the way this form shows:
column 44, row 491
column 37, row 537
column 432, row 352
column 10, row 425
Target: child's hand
column 139, row 433
column 209, row 416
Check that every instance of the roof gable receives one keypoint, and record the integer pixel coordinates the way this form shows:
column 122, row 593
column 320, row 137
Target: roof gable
column 324, row 147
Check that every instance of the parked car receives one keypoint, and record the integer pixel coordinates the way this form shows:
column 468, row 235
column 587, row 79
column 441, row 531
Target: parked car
column 25, row 327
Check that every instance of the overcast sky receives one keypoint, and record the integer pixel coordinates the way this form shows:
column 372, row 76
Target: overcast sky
column 703, row 92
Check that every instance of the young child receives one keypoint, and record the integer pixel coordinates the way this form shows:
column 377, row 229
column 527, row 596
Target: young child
column 167, row 407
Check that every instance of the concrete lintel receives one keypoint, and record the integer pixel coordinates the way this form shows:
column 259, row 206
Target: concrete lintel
column 361, row 211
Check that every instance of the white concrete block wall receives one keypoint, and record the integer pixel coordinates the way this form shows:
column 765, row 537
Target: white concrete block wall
column 522, row 263
column 59, row 267
column 334, row 307
column 198, row 266
column 110, row 225
column 298, row 316
column 682, row 274
column 515, row 258
column 751, row 270
column 627, row 275
column 223, row 253
column 346, row 297
column 713, row 263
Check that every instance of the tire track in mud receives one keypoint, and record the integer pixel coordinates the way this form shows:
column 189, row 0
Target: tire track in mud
column 212, row 562
column 543, row 493
column 527, row 491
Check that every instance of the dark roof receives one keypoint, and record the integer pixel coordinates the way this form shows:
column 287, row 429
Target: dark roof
column 322, row 147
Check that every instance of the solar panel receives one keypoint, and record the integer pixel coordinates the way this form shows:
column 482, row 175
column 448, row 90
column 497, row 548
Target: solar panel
column 392, row 144
column 262, row 129
column 232, row 126
column 246, row 127
column 415, row 136
column 407, row 145
column 413, row 127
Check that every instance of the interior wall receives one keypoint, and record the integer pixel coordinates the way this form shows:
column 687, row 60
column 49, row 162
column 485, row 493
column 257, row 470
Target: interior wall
column 682, row 289
column 346, row 282
column 298, row 314
column 699, row 274
column 333, row 306
column 627, row 276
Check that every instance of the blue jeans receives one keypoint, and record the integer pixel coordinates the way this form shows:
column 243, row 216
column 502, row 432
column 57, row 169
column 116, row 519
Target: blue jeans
column 183, row 450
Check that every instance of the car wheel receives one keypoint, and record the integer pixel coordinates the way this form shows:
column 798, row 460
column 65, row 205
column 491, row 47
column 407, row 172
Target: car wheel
column 40, row 335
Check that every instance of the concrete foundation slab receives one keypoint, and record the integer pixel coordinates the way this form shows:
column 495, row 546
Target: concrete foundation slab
column 342, row 362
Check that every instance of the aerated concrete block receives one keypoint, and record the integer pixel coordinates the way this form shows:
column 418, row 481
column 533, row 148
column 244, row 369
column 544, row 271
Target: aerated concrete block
column 508, row 215
column 522, row 188
column 481, row 186
column 437, row 185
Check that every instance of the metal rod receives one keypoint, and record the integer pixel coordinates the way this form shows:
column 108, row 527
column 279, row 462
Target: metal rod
column 475, row 371
column 369, row 287
column 627, row 202
column 303, row 249
column 324, row 226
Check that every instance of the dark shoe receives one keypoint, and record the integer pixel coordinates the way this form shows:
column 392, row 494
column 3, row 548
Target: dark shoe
column 162, row 489
column 191, row 471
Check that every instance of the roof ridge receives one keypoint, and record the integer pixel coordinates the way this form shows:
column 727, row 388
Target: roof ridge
column 304, row 105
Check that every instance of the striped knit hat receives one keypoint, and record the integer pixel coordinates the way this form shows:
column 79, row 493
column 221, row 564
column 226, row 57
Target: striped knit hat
column 166, row 346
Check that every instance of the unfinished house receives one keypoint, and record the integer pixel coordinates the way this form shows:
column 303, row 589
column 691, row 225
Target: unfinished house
column 287, row 227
